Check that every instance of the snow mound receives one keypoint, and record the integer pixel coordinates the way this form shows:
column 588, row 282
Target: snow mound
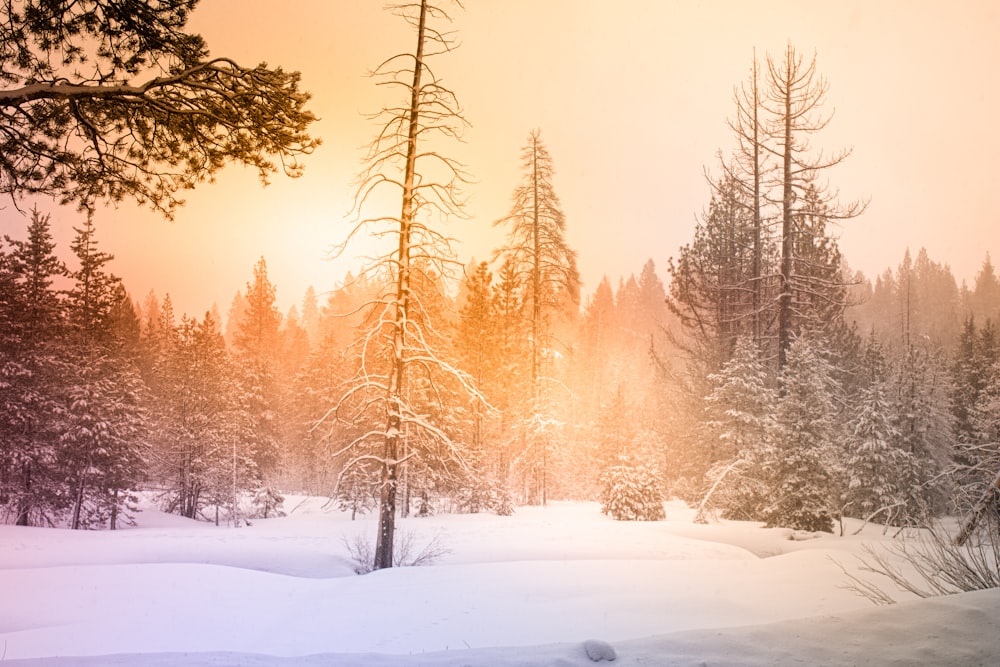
column 959, row 631
column 597, row 650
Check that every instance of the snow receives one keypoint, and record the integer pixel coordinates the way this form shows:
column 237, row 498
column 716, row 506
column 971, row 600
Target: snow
column 538, row 588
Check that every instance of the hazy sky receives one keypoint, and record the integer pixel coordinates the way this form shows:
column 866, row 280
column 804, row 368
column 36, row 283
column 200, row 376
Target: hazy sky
column 631, row 99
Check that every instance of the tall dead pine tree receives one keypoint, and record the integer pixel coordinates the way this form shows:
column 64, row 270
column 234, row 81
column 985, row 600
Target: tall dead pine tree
column 795, row 96
column 398, row 337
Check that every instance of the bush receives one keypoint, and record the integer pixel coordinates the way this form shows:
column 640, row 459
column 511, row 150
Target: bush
column 630, row 492
column 404, row 552
column 936, row 565
column 267, row 503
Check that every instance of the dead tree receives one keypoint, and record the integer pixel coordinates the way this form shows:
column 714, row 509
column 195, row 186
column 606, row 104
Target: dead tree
column 989, row 500
column 395, row 348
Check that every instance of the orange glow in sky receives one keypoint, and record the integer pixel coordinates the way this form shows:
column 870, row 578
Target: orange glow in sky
column 631, row 99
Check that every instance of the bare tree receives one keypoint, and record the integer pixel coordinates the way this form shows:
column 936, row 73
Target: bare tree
column 748, row 170
column 396, row 349
column 113, row 99
column 795, row 96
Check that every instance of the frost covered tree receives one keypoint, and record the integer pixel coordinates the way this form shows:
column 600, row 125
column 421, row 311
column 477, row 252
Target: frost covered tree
column 536, row 248
column 102, row 447
column 396, row 345
column 199, row 425
column 479, row 351
column 924, row 423
column 113, row 100
column 544, row 267
column 598, row 342
column 872, row 457
column 711, row 280
column 983, row 301
column 800, row 475
column 741, row 420
column 33, row 375
column 630, row 491
column 256, row 343
column 102, row 451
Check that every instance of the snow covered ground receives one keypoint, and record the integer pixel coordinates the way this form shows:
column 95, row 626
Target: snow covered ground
column 522, row 590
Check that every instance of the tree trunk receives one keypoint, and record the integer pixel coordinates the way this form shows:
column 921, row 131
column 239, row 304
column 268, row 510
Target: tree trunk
column 113, row 522
column 787, row 239
column 78, row 503
column 758, row 242
column 24, row 504
column 390, row 461
column 990, row 498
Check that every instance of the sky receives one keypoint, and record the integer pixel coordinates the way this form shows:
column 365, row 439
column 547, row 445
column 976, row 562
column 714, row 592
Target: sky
column 632, row 100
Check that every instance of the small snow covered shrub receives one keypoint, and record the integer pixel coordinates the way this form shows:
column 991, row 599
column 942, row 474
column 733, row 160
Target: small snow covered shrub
column 493, row 495
column 267, row 503
column 631, row 492
column 502, row 503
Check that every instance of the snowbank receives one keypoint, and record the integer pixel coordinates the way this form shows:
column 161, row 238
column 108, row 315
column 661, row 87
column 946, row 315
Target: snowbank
column 521, row 590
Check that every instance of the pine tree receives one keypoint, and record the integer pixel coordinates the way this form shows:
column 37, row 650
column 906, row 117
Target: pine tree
column 712, row 287
column 983, row 302
column 311, row 316
column 34, row 373
column 545, row 269
column 308, row 464
column 599, row 347
column 794, row 100
column 630, row 492
column 257, row 344
column 477, row 343
column 924, row 423
column 974, row 409
column 805, row 439
column 93, row 297
column 741, row 420
column 872, row 455
column 201, row 426
column 102, row 447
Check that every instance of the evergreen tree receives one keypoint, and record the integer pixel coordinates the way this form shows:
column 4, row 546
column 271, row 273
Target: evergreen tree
column 478, row 345
column 117, row 99
column 805, row 440
column 545, row 269
column 599, row 347
column 872, row 457
column 974, row 410
column 34, row 372
column 102, row 454
column 311, row 316
column 309, row 465
column 793, row 104
column 710, row 278
column 257, row 345
column 924, row 423
column 630, row 492
column 102, row 447
column 201, row 427
column 983, row 302
column 234, row 318
column 741, row 420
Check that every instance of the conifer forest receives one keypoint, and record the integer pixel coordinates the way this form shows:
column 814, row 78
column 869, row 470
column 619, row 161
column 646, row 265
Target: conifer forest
column 755, row 375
